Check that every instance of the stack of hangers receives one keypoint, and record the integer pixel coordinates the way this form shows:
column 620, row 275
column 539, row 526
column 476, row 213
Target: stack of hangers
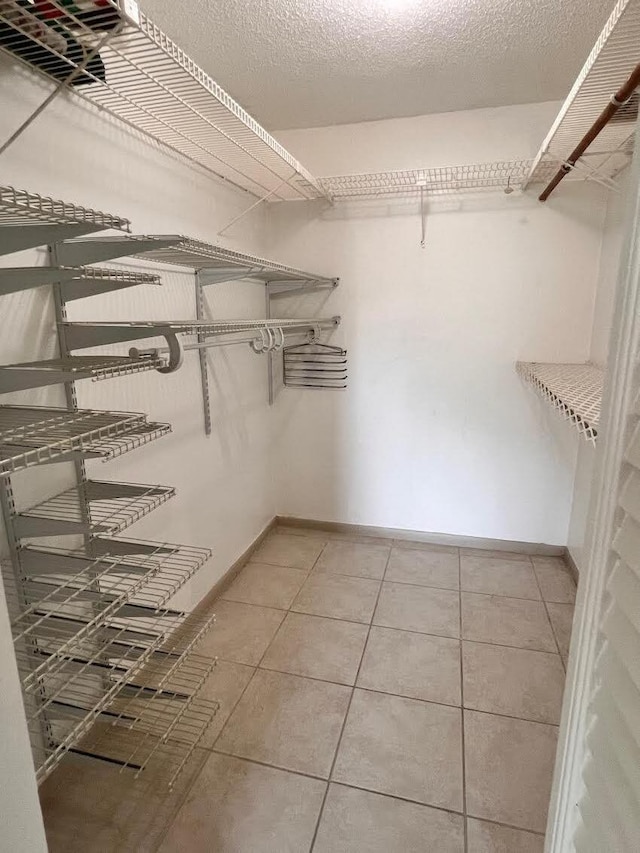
column 314, row 365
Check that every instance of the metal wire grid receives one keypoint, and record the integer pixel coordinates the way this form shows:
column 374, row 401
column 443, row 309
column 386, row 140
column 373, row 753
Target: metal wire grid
column 145, row 80
column 33, row 435
column 111, row 275
column 443, row 180
column 156, row 730
column 97, row 367
column 56, row 611
column 613, row 58
column 16, row 206
column 196, row 254
column 574, row 390
column 109, row 513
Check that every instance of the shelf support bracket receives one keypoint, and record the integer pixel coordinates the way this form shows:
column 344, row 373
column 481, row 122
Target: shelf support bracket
column 202, row 355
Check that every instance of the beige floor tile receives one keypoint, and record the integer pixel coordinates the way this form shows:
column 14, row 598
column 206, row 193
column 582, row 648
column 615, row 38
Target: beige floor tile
column 555, row 579
column 485, row 837
column 316, row 647
column 419, row 608
column 494, row 576
column 509, row 765
column 239, row 807
column 241, row 632
column 516, row 682
column 364, row 538
column 356, row 821
column 225, row 685
column 561, row 616
column 506, row 621
column 354, row 558
column 288, row 721
column 404, row 748
column 338, row 597
column 425, row 567
column 493, row 552
column 414, row 665
column 299, row 552
column 266, row 585
column 91, row 805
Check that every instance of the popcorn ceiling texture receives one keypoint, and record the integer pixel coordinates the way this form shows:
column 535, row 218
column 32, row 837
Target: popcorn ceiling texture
column 306, row 63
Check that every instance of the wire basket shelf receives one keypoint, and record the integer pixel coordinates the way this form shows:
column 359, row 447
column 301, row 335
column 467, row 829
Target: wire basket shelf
column 132, row 70
column 91, row 508
column 610, row 63
column 35, row 435
column 505, row 175
column 20, row 206
column 573, row 390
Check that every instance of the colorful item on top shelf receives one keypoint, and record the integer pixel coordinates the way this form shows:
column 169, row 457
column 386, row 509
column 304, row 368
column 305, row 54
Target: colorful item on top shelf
column 48, row 45
column 96, row 14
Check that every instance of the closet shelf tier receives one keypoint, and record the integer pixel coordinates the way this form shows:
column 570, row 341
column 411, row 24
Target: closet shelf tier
column 76, row 282
column 154, row 731
column 54, row 371
column 37, row 435
column 574, row 390
column 609, row 65
column 91, row 508
column 214, row 263
column 108, row 594
column 117, row 686
column 28, row 219
column 92, row 334
column 436, row 181
column 142, row 78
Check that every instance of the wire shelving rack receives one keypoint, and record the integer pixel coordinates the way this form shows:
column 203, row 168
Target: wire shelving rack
column 613, row 58
column 39, row 435
column 92, row 507
column 573, row 390
column 136, row 73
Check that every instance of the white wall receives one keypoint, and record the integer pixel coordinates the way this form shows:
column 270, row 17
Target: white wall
column 436, row 432
column 224, row 490
column 613, row 235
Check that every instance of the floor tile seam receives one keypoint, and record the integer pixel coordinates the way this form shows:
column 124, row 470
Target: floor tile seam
column 462, row 734
column 463, row 590
column 350, row 785
column 216, row 750
column 356, row 686
column 344, row 721
column 548, row 600
column 319, row 572
column 550, row 621
column 254, row 562
column 246, row 687
column 461, row 638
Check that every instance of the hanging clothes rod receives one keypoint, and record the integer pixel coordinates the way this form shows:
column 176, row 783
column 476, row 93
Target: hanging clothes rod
column 619, row 99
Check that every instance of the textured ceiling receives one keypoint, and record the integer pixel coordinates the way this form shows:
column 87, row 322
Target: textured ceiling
column 305, row 63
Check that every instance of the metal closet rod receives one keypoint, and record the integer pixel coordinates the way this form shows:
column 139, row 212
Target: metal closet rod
column 618, row 100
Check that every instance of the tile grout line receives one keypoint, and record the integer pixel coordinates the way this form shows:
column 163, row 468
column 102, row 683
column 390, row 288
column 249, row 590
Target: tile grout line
column 268, row 646
column 344, row 722
column 464, row 768
column 546, row 610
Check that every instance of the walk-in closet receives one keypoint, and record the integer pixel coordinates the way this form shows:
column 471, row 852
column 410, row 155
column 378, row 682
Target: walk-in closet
column 319, row 426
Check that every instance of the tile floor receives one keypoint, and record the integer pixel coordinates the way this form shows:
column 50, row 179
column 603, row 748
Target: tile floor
column 376, row 696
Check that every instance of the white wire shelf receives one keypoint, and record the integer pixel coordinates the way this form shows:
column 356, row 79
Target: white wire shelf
column 573, row 390
column 55, row 371
column 155, row 729
column 214, row 263
column 76, row 282
column 28, row 219
column 38, row 435
column 502, row 175
column 91, row 508
column 610, row 63
column 142, row 78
